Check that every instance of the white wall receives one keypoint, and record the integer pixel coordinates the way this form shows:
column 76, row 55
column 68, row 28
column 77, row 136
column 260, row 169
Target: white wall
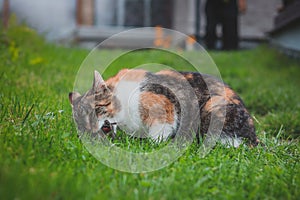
column 259, row 17
column 54, row 18
column 184, row 16
column 104, row 14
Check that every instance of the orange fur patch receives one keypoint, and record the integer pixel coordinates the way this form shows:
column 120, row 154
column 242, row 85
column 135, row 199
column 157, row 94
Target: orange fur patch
column 214, row 101
column 230, row 96
column 189, row 76
column 134, row 75
column 126, row 75
column 156, row 108
column 171, row 73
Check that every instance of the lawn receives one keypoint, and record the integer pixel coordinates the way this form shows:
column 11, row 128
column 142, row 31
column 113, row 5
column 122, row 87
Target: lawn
column 41, row 156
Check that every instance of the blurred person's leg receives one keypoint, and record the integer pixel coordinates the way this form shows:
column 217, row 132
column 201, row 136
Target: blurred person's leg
column 230, row 36
column 212, row 11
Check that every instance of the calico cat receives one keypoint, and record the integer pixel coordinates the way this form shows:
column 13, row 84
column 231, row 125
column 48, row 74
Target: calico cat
column 142, row 102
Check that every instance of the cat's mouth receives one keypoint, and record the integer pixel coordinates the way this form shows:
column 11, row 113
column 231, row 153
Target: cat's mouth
column 109, row 128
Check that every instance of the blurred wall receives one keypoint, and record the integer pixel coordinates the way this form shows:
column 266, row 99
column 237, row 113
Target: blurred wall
column 105, row 12
column 54, row 18
column 259, row 18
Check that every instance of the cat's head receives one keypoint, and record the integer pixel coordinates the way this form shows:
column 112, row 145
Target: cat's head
column 91, row 109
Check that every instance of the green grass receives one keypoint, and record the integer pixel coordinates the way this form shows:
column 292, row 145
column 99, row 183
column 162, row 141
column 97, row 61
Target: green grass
column 42, row 158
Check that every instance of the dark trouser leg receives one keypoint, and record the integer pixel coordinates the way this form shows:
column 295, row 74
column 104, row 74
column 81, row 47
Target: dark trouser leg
column 230, row 33
column 211, row 24
column 230, row 26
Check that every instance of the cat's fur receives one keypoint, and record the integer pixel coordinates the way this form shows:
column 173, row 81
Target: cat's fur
column 137, row 102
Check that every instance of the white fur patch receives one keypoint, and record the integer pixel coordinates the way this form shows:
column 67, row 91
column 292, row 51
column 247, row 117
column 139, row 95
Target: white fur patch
column 160, row 132
column 231, row 141
column 128, row 93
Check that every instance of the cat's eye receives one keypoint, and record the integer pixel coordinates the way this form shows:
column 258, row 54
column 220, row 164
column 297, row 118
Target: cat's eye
column 101, row 110
column 104, row 104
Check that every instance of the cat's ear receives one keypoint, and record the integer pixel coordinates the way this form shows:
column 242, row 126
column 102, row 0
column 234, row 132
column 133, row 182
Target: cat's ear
column 73, row 96
column 99, row 83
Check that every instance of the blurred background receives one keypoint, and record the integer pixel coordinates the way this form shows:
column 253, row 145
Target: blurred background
column 88, row 22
